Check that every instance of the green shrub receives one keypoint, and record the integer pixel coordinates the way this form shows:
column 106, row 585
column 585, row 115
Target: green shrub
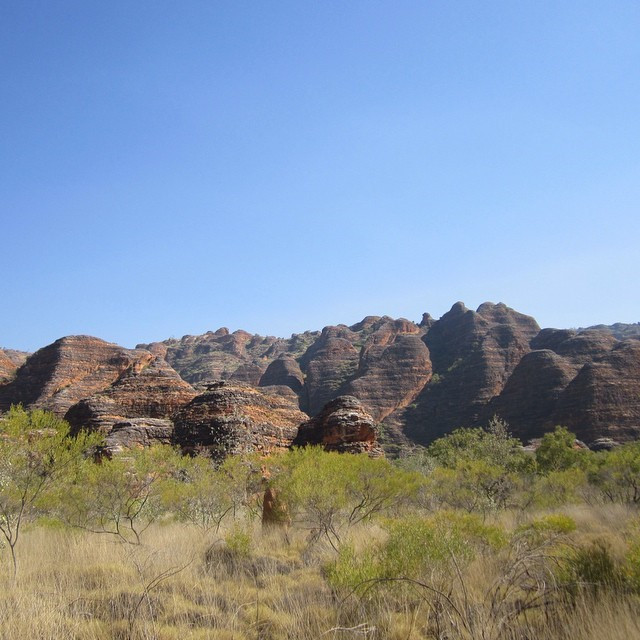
column 416, row 549
column 557, row 451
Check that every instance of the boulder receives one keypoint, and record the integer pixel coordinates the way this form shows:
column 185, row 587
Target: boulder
column 344, row 426
column 232, row 418
column 138, row 433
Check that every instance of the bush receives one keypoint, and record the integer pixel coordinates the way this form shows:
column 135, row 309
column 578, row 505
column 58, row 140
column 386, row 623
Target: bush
column 416, row 549
column 592, row 568
column 327, row 493
column 557, row 452
column 37, row 456
column 616, row 473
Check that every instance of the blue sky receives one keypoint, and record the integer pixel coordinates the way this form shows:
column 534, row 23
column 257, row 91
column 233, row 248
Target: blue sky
column 173, row 167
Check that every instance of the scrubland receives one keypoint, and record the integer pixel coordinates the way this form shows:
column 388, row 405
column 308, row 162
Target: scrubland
column 471, row 538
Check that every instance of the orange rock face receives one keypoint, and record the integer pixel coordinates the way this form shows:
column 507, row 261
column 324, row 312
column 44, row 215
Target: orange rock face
column 131, row 411
column 343, row 425
column 10, row 361
column 72, row 368
column 232, row 418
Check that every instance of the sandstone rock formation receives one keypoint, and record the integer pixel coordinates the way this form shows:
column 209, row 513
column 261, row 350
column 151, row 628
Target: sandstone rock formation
column 419, row 380
column 284, row 371
column 343, row 425
column 473, row 353
column 220, row 355
column 603, row 400
column 136, row 408
column 381, row 360
column 231, row 418
column 10, row 361
column 530, row 397
column 138, row 433
column 328, row 364
column 393, row 368
column 72, row 368
column 619, row 330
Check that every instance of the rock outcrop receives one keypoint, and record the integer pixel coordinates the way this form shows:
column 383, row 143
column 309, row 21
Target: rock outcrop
column 136, row 408
column 381, row 360
column 419, row 380
column 137, row 433
column 393, row 368
column 328, row 364
column 220, row 355
column 231, row 418
column 603, row 400
column 10, row 361
column 473, row 353
column 343, row 425
column 531, row 396
column 72, row 368
column 284, row 371
column 619, row 330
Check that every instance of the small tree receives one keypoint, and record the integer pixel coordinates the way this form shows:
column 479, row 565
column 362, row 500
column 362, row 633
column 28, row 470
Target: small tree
column 328, row 493
column 493, row 445
column 205, row 495
column 120, row 496
column 37, row 456
column 617, row 473
column 557, row 451
column 475, row 486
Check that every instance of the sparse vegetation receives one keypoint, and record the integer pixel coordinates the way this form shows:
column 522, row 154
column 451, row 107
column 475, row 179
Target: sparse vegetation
column 472, row 538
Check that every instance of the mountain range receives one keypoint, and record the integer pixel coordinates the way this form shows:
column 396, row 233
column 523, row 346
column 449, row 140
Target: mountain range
column 417, row 381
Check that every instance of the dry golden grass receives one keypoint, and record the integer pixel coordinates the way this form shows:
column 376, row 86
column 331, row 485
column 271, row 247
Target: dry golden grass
column 180, row 585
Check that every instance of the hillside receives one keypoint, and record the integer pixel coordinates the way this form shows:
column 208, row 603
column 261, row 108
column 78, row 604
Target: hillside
column 418, row 380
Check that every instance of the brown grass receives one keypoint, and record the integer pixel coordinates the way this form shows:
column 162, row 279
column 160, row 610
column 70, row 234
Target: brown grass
column 180, row 585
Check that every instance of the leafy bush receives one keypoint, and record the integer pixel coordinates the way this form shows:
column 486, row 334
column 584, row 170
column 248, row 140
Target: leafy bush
column 120, row 496
column 557, row 451
column 492, row 445
column 327, row 493
column 417, row 549
column 37, row 455
column 616, row 473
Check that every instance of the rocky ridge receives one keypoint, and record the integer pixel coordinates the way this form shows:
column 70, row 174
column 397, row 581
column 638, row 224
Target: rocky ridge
column 585, row 380
column 10, row 361
column 473, row 353
column 420, row 380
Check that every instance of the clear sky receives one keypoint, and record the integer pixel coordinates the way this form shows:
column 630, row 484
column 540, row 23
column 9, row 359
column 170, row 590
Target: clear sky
column 172, row 167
